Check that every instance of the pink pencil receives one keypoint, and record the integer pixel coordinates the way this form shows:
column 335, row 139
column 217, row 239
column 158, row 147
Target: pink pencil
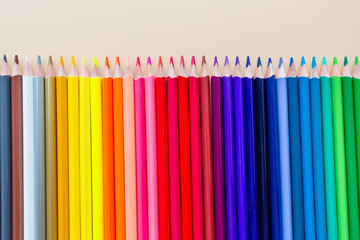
column 152, row 183
column 140, row 152
column 174, row 167
column 195, row 146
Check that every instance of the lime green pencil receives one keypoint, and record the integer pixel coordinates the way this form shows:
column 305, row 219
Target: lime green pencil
column 339, row 153
column 356, row 81
column 350, row 152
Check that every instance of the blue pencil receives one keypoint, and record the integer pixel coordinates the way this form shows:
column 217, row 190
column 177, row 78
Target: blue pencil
column 240, row 152
column 274, row 158
column 5, row 151
column 251, row 152
column 295, row 154
column 229, row 149
column 282, row 91
column 306, row 152
column 317, row 152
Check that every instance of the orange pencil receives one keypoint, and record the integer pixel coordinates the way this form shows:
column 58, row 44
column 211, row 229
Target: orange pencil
column 108, row 152
column 119, row 152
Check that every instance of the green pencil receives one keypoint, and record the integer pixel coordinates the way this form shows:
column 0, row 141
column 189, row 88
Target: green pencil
column 356, row 81
column 350, row 152
column 328, row 146
column 339, row 153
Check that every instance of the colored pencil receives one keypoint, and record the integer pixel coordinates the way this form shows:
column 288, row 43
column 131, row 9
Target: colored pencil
column 17, row 152
column 240, row 152
column 350, row 151
column 29, row 152
column 108, row 152
column 339, row 152
column 96, row 153
column 140, row 147
column 218, row 150
column 129, row 153
column 162, row 152
column 39, row 152
column 207, row 157
column 85, row 152
column 295, row 154
column 62, row 152
column 306, row 151
column 356, row 83
column 74, row 153
column 185, row 164
column 317, row 152
column 5, row 151
column 250, row 139
column 283, row 164
column 119, row 151
column 195, row 152
column 174, row 164
column 262, row 152
column 328, row 145
column 151, row 153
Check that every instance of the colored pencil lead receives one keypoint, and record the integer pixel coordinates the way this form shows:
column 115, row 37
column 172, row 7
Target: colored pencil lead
column 95, row 63
column 182, row 62
column 172, row 61
column 84, row 61
column 27, row 59
column 247, row 61
column 335, row 62
column 291, row 61
column 203, row 60
column 138, row 62
column 324, row 61
column 38, row 61
column 193, row 61
column 61, row 63
column 5, row 58
column 117, row 63
column 346, row 62
column 127, row 61
column 215, row 61
column 281, row 62
column 160, row 64
column 107, row 62
column 226, row 61
column 313, row 64
column 259, row 62
column 16, row 59
column 237, row 61
column 149, row 61
column 269, row 62
column 50, row 62
column 356, row 60
column 302, row 61
column 72, row 61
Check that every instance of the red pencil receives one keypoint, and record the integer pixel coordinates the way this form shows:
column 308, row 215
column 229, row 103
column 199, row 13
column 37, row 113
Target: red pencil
column 195, row 146
column 185, row 167
column 162, row 150
column 207, row 155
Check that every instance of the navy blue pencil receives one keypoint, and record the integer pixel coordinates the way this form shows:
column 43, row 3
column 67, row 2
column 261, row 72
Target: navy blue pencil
column 5, row 151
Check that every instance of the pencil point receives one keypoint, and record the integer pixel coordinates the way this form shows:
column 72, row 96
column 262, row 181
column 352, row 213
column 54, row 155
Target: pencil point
column 5, row 58
column 237, row 61
column 138, row 62
column 50, row 62
column 172, row 61
column 259, row 62
column 281, row 62
column 95, row 63
column 313, row 63
column 215, row 61
column 247, row 61
column 16, row 59
column 38, row 61
column 335, row 61
column 160, row 64
column 269, row 62
column 226, row 61
column 107, row 62
column 203, row 60
column 127, row 61
column 117, row 61
column 84, row 60
column 324, row 61
column 356, row 60
column 149, row 61
column 61, row 63
column 72, row 61
column 302, row 61
column 193, row 61
column 182, row 62
column 346, row 62
column 291, row 61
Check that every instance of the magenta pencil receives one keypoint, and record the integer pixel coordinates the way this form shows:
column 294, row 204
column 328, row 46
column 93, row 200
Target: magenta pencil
column 140, row 152
column 195, row 150
column 174, row 167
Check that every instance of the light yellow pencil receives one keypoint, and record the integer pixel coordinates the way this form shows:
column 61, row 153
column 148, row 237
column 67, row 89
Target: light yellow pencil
column 85, row 152
column 96, row 153
column 74, row 164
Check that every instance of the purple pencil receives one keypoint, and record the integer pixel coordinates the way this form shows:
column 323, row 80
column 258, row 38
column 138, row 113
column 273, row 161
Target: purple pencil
column 218, row 152
column 240, row 157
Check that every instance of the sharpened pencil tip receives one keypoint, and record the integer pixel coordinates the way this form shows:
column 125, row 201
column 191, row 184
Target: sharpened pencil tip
column 182, row 61
column 269, row 62
column 302, row 61
column 38, row 60
column 193, row 61
column 16, row 59
column 160, row 64
column 259, row 62
column 5, row 58
column 172, row 61
column 247, row 61
column 313, row 63
column 27, row 59
column 226, row 61
column 61, row 63
column 356, row 60
column 138, row 62
column 50, row 62
column 84, row 60
column 117, row 63
column 237, row 60
column 346, row 62
column 127, row 61
column 72, row 61
column 335, row 61
column 95, row 63
column 203, row 60
column 281, row 62
column 107, row 62
column 324, row 61
column 215, row 61
column 291, row 61
column 148, row 61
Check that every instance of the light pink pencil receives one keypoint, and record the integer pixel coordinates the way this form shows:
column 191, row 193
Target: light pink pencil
column 174, row 165
column 129, row 153
column 140, row 149
column 150, row 114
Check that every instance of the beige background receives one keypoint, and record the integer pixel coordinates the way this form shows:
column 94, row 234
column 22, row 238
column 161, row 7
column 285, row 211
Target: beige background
column 163, row 27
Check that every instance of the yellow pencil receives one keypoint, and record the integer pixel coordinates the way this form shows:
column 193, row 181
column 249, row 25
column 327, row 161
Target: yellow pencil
column 74, row 165
column 96, row 153
column 62, row 152
column 85, row 152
